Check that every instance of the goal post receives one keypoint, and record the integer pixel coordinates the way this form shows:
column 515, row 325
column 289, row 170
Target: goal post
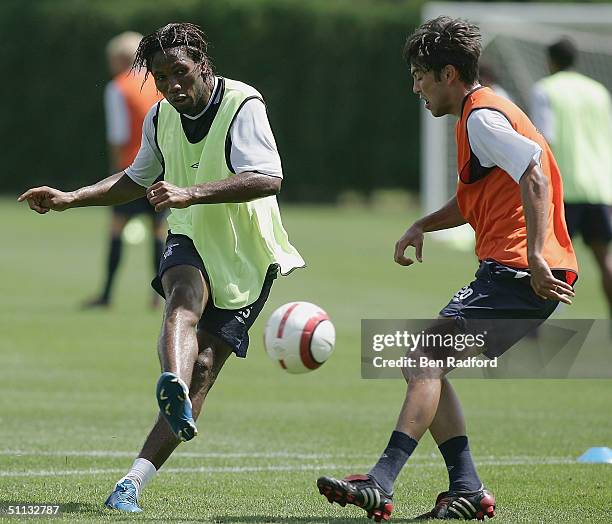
column 514, row 38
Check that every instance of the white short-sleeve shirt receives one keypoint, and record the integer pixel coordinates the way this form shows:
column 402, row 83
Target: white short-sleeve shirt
column 495, row 143
column 117, row 117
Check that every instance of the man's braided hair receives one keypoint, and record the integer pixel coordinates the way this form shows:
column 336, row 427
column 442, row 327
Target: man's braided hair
column 185, row 35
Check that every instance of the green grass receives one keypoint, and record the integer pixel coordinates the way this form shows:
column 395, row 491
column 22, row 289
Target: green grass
column 76, row 383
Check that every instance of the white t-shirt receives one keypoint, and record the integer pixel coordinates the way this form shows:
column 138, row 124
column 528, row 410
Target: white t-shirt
column 542, row 113
column 253, row 147
column 117, row 118
column 495, row 143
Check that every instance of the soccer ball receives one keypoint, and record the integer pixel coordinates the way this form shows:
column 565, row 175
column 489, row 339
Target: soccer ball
column 299, row 336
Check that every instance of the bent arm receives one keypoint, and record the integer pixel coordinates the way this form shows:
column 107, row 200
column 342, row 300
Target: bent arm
column 446, row 217
column 534, row 195
column 243, row 187
column 239, row 188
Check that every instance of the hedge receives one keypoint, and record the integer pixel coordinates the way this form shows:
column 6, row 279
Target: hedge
column 338, row 93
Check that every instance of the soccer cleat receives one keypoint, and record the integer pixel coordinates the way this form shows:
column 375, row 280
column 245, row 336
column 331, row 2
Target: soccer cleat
column 359, row 490
column 175, row 406
column 124, row 497
column 462, row 505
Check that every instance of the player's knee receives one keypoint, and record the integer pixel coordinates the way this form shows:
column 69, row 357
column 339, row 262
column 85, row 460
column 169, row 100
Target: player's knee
column 185, row 301
column 422, row 367
column 204, row 363
column 204, row 371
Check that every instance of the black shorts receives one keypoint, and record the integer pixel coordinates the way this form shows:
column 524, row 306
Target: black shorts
column 592, row 221
column 230, row 325
column 502, row 302
column 136, row 207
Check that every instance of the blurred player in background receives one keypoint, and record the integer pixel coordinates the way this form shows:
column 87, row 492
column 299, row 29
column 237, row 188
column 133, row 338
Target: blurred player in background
column 212, row 142
column 127, row 99
column 510, row 192
column 574, row 113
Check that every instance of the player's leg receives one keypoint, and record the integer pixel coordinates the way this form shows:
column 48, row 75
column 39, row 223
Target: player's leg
column 507, row 294
column 431, row 401
column 220, row 332
column 429, row 398
column 449, row 432
column 596, row 230
column 423, row 394
column 178, row 347
column 212, row 355
column 161, row 441
column 186, row 293
column 374, row 491
column 603, row 256
column 466, row 495
column 448, row 421
column 119, row 220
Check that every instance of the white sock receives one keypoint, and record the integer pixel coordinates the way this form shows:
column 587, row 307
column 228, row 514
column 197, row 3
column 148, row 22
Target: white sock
column 141, row 473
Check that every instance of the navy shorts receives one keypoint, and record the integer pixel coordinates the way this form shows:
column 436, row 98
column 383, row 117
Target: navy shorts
column 230, row 325
column 592, row 221
column 502, row 302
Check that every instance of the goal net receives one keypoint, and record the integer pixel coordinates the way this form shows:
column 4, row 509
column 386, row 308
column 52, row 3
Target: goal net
column 515, row 37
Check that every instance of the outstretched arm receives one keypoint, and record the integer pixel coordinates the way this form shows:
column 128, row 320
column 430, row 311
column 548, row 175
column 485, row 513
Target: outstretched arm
column 534, row 194
column 446, row 217
column 116, row 189
column 239, row 188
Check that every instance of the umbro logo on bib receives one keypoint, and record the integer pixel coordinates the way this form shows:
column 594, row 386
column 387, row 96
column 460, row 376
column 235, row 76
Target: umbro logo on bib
column 196, row 165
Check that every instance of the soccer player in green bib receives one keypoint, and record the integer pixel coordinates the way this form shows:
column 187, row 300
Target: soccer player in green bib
column 574, row 113
column 209, row 156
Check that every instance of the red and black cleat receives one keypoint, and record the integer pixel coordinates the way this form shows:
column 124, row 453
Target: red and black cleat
column 361, row 491
column 473, row 505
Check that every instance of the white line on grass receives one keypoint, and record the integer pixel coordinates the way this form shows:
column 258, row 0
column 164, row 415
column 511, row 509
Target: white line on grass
column 532, row 461
column 187, row 454
column 222, row 469
column 523, row 459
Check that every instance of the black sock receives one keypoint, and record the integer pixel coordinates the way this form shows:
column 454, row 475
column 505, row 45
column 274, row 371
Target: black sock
column 462, row 474
column 392, row 461
column 114, row 256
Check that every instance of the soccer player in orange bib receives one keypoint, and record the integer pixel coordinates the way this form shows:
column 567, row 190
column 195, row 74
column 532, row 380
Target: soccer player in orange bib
column 127, row 99
column 510, row 191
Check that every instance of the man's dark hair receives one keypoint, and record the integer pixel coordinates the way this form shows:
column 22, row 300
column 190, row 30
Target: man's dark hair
column 563, row 53
column 445, row 41
column 188, row 36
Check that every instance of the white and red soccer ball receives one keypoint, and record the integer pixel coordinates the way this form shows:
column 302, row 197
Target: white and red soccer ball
column 299, row 336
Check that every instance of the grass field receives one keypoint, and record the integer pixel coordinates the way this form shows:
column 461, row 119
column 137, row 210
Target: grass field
column 76, row 397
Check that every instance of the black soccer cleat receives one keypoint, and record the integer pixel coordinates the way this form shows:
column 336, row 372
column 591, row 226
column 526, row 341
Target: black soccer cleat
column 462, row 505
column 359, row 490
